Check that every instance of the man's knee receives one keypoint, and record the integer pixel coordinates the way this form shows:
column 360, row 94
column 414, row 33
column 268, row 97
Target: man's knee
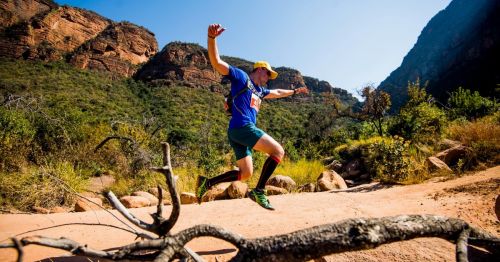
column 245, row 175
column 279, row 153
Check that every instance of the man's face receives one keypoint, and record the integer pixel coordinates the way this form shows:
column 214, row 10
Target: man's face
column 265, row 74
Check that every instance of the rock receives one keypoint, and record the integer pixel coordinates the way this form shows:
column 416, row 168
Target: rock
column 364, row 177
column 328, row 160
column 310, row 187
column 452, row 155
column 188, row 198
column 285, row 182
column 329, row 180
column 83, row 205
column 165, row 195
column 273, row 190
column 41, row 210
column 152, row 199
column 22, row 10
column 154, row 192
column 436, row 164
column 58, row 209
column 447, row 144
column 216, row 192
column 237, row 189
column 335, row 165
column 353, row 169
column 118, row 48
column 135, row 201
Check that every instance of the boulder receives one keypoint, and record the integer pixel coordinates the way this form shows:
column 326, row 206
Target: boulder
column 216, row 192
column 329, row 180
column 188, row 198
column 310, row 187
column 447, row 144
column 285, row 182
column 83, row 205
column 152, row 199
column 352, row 169
column 135, row 201
column 40, row 210
column 452, row 155
column 435, row 164
column 165, row 195
column 237, row 189
column 335, row 165
column 273, row 190
column 154, row 192
column 58, row 209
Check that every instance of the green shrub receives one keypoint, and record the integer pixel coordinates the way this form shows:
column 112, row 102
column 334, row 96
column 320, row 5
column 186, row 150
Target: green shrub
column 471, row 105
column 16, row 135
column 419, row 120
column 388, row 160
column 47, row 186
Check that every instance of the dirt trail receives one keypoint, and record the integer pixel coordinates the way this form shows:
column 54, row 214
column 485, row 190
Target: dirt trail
column 471, row 198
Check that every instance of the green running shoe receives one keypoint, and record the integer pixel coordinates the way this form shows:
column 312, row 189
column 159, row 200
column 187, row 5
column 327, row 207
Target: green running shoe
column 259, row 196
column 201, row 187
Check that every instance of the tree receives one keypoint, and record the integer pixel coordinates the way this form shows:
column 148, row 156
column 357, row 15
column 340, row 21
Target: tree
column 375, row 107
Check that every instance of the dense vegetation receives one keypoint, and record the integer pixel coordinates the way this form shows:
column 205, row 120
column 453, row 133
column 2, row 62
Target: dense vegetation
column 54, row 117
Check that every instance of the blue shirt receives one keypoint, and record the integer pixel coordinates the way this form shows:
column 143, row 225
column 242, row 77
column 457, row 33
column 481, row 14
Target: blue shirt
column 246, row 105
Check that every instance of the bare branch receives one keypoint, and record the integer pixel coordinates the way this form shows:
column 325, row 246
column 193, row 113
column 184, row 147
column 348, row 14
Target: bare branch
column 113, row 137
column 461, row 247
column 65, row 244
column 123, row 210
column 19, row 247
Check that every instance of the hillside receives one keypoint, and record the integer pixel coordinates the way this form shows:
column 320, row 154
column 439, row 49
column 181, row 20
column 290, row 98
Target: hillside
column 459, row 47
column 50, row 109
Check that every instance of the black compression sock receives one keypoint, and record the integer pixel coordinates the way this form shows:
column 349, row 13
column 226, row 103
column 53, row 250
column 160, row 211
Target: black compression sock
column 228, row 176
column 267, row 170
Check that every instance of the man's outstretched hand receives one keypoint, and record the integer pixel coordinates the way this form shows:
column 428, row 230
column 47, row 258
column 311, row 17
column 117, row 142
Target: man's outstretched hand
column 214, row 30
column 302, row 90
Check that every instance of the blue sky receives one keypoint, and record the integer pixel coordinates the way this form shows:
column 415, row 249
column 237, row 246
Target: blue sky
column 349, row 43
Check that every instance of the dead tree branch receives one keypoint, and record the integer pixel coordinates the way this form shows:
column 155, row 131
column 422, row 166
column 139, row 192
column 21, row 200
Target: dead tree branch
column 302, row 245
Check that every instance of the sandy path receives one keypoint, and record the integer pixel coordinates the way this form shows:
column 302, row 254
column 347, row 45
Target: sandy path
column 470, row 198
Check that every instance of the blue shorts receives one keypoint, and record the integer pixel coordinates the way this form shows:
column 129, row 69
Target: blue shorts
column 243, row 139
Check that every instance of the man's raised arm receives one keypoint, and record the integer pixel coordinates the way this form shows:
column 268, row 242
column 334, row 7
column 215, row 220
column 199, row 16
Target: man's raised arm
column 214, row 30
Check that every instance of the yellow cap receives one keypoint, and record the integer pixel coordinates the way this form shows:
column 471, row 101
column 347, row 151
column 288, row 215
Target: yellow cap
column 266, row 66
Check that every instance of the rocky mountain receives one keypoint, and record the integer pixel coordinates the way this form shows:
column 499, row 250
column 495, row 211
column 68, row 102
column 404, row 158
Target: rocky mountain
column 188, row 64
column 12, row 12
column 460, row 46
column 50, row 32
column 181, row 64
column 119, row 48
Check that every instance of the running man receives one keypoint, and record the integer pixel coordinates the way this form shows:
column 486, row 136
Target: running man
column 247, row 92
